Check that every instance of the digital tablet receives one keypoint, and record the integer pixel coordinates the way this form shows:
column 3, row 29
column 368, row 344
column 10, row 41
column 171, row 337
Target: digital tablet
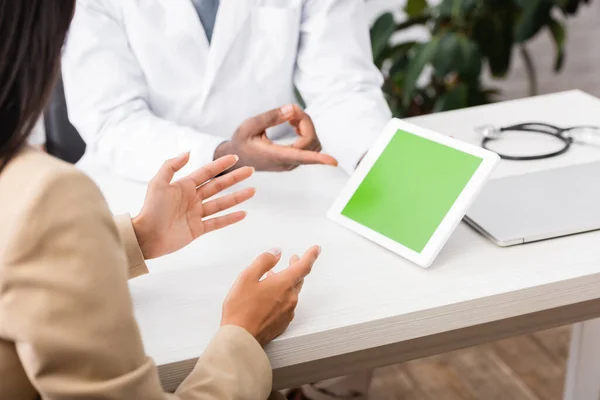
column 412, row 189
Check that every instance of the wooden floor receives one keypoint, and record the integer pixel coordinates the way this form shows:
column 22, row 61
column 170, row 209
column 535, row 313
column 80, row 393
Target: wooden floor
column 530, row 367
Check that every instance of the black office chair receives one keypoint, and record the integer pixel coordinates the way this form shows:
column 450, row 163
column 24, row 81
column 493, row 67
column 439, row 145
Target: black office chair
column 62, row 139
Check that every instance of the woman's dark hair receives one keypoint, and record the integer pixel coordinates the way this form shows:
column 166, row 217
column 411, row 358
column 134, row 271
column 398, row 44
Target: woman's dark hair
column 32, row 34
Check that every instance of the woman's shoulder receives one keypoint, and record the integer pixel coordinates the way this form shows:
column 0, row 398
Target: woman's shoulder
column 35, row 163
column 35, row 185
column 31, row 172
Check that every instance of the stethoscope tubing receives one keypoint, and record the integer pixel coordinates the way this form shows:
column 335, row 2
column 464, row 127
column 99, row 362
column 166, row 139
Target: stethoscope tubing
column 553, row 131
column 537, row 127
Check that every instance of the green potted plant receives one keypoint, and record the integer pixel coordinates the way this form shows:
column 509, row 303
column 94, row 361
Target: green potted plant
column 466, row 37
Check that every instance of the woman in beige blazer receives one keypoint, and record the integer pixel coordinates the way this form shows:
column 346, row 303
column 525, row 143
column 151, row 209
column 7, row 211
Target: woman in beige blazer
column 67, row 329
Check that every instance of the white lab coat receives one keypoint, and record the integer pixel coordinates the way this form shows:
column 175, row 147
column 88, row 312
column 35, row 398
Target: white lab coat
column 142, row 83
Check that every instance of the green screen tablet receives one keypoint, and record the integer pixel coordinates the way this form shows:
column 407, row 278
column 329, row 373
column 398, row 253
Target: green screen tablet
column 412, row 184
column 409, row 207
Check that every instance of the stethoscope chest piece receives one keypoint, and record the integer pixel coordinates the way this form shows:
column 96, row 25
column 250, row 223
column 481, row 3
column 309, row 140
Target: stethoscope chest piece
column 489, row 131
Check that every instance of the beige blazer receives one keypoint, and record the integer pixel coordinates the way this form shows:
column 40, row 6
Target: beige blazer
column 67, row 329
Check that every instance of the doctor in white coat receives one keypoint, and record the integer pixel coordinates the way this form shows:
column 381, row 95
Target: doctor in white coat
column 146, row 80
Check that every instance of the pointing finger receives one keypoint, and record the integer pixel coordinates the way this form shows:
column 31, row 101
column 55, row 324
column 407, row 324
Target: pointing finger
column 290, row 155
column 302, row 267
column 263, row 264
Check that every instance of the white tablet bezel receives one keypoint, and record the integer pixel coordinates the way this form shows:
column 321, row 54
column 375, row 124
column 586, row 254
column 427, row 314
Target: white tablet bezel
column 452, row 218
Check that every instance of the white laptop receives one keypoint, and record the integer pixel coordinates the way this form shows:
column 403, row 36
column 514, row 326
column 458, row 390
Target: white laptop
column 540, row 205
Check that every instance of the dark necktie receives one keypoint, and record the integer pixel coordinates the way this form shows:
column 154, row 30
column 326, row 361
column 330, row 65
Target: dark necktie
column 207, row 11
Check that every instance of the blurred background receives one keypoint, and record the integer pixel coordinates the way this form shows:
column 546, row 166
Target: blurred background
column 442, row 55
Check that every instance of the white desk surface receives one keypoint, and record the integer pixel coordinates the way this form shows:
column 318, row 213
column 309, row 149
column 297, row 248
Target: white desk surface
column 359, row 295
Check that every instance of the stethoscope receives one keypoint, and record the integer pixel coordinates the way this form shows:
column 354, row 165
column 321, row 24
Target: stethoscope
column 567, row 136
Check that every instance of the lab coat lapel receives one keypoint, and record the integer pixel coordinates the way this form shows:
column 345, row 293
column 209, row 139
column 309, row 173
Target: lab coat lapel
column 231, row 18
column 183, row 17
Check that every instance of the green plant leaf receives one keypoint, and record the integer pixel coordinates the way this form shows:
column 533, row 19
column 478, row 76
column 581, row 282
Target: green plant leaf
column 399, row 50
column 453, row 99
column 388, row 52
column 446, row 57
column 557, row 30
column 381, row 32
column 457, row 53
column 415, row 7
column 397, row 110
column 424, row 53
column 403, row 48
column 494, row 36
column 478, row 95
column 469, row 5
column 470, row 57
column 399, row 66
column 393, row 53
column 457, row 8
column 451, row 8
column 535, row 14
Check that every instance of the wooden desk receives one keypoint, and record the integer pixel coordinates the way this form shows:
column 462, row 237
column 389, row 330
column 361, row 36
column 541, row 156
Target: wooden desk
column 364, row 307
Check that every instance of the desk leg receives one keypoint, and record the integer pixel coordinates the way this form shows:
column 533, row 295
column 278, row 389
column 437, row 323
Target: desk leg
column 583, row 368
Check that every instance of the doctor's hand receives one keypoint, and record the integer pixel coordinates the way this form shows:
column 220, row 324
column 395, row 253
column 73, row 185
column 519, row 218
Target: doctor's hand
column 251, row 144
column 263, row 302
column 176, row 213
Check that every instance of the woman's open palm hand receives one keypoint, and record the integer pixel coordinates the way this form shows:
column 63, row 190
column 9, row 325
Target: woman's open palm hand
column 176, row 213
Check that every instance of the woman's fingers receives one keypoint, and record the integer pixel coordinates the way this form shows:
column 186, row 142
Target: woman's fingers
column 210, row 170
column 224, row 182
column 298, row 270
column 263, row 264
column 170, row 167
column 213, row 224
column 298, row 287
column 225, row 202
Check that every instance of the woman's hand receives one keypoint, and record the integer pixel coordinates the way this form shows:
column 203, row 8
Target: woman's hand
column 265, row 307
column 174, row 213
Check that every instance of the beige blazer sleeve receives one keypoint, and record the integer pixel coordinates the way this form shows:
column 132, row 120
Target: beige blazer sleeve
column 136, row 265
column 64, row 302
